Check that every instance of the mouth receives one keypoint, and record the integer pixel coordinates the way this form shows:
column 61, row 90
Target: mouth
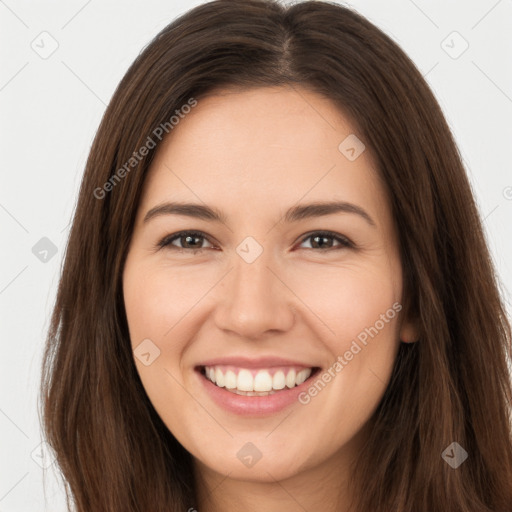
column 257, row 382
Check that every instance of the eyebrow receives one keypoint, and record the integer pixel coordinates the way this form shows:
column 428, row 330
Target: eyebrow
column 293, row 214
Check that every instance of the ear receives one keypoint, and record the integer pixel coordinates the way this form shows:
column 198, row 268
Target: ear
column 409, row 331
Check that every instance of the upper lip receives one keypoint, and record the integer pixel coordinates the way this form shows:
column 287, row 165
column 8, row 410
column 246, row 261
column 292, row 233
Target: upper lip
column 255, row 362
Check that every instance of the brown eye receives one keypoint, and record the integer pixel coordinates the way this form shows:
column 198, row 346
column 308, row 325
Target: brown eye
column 186, row 241
column 325, row 240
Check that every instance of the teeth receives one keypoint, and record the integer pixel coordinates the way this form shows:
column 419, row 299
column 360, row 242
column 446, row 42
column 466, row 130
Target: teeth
column 244, row 382
column 219, row 378
column 262, row 381
column 302, row 376
column 252, row 393
column 290, row 379
column 230, row 380
column 279, row 380
column 256, row 383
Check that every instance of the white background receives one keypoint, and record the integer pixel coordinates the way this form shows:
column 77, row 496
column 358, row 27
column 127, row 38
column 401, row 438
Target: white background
column 51, row 108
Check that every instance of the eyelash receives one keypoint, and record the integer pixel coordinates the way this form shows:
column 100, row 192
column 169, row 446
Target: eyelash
column 167, row 241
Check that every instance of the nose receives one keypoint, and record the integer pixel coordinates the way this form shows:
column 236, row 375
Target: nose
column 254, row 299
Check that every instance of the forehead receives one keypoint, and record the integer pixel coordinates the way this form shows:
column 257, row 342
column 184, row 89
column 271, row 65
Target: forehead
column 262, row 148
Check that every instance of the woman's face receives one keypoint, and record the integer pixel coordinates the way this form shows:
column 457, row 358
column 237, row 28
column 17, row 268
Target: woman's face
column 277, row 292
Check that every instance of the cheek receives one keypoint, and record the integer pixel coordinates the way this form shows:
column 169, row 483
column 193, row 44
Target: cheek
column 148, row 301
column 158, row 299
column 347, row 300
column 155, row 306
column 359, row 309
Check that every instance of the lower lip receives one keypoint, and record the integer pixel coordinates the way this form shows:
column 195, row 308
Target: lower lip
column 253, row 405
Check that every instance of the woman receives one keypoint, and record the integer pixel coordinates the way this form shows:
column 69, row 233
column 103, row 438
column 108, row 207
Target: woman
column 277, row 292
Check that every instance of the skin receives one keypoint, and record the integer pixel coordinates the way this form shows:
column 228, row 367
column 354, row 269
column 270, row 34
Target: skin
column 252, row 154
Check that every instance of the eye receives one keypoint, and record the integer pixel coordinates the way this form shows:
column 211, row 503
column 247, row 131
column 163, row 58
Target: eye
column 193, row 241
column 324, row 240
column 188, row 240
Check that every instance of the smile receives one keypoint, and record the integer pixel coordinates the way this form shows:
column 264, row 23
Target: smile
column 254, row 386
column 256, row 382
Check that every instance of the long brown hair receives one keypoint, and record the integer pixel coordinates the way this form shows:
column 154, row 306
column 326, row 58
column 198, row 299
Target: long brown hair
column 453, row 385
